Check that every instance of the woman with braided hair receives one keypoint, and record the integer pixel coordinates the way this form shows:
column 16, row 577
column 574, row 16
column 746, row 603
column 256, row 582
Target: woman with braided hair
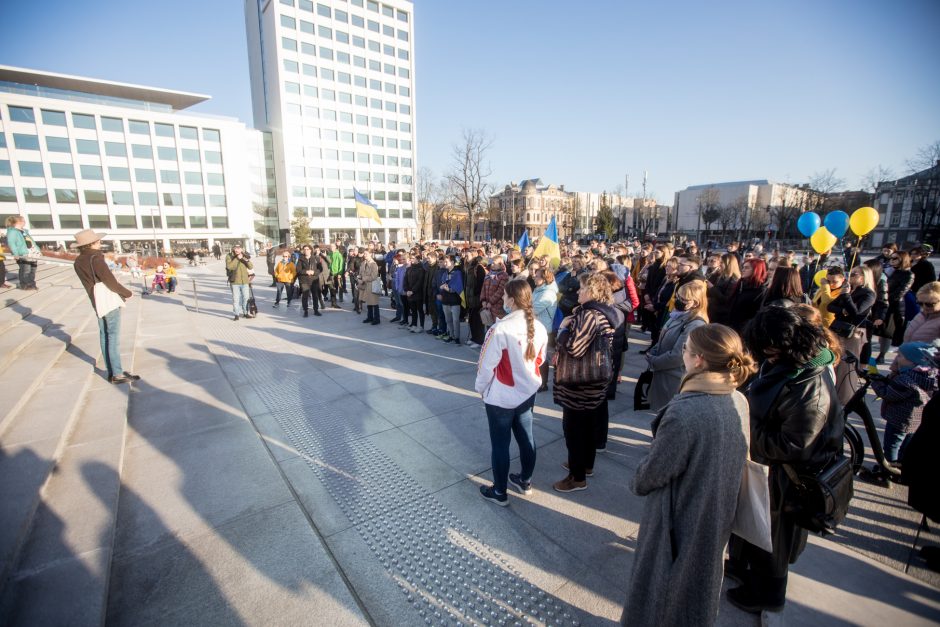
column 508, row 377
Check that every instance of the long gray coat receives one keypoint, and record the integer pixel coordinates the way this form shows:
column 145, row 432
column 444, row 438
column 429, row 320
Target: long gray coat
column 665, row 359
column 690, row 478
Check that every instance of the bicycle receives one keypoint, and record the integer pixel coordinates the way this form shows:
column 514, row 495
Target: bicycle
column 853, row 439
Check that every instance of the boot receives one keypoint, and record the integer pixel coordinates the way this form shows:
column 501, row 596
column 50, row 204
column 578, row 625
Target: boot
column 306, row 313
column 368, row 316
column 375, row 314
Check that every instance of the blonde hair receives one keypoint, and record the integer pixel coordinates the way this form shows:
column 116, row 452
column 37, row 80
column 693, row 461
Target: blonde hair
column 721, row 349
column 696, row 290
column 521, row 294
column 730, row 268
column 598, row 286
column 930, row 289
column 868, row 277
column 14, row 220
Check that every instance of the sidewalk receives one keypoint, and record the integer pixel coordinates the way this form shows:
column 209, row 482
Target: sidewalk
column 376, row 444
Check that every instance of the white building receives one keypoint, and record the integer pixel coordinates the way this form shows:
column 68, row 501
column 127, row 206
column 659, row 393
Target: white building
column 125, row 159
column 585, row 206
column 333, row 81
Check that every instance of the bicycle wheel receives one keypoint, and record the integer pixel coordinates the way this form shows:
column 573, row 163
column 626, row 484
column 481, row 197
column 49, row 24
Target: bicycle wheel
column 853, row 447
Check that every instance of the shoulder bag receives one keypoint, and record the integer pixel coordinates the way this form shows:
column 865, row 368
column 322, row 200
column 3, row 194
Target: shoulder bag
column 843, row 328
column 486, row 317
column 752, row 516
column 595, row 366
column 819, row 501
column 377, row 286
column 106, row 301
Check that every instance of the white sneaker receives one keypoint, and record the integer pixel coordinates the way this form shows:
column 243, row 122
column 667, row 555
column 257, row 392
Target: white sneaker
column 472, row 344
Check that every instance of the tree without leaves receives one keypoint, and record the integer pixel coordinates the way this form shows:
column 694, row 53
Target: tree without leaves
column 926, row 157
column 875, row 176
column 468, row 177
column 709, row 206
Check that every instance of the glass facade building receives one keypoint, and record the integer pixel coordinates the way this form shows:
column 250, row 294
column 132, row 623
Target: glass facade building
column 333, row 82
column 129, row 160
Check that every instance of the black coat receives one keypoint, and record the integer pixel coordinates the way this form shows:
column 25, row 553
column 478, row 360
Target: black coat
column 304, row 264
column 853, row 307
column 920, row 462
column 795, row 420
column 414, row 280
column 746, row 300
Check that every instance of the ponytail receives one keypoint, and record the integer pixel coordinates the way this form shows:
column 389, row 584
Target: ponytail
column 521, row 294
column 530, row 333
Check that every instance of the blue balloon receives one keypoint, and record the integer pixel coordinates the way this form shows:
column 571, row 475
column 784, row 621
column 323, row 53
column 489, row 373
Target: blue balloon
column 808, row 223
column 837, row 223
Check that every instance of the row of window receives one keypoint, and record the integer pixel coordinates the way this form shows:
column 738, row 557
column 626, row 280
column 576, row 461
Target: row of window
column 334, row 192
column 23, row 141
column 343, row 16
column 343, row 98
column 134, row 127
column 344, row 57
column 373, row 65
column 359, row 42
column 339, row 212
column 96, row 173
column 347, row 137
column 359, row 81
column 346, row 117
column 100, row 197
column 45, row 221
column 331, row 174
column 350, row 156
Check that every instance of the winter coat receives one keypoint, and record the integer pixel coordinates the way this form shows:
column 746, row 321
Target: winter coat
column 720, row 295
column 399, row 278
column 796, row 419
column 473, row 284
column 568, row 288
column 923, row 328
column 899, row 283
column 505, row 377
column 924, row 273
column 904, row 395
column 454, row 282
column 238, row 269
column 745, row 302
column 665, row 359
column 575, row 337
column 491, row 296
column 432, row 282
column 545, row 303
column 91, row 265
column 303, row 265
column 414, row 281
column 271, row 256
column 337, row 264
column 690, row 480
column 285, row 272
column 368, row 272
column 19, row 241
column 920, row 463
column 854, row 306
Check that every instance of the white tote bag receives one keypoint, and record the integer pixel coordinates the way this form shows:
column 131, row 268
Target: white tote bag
column 106, row 301
column 752, row 517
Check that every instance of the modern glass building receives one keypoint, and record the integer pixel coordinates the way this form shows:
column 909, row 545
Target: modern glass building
column 333, row 82
column 129, row 160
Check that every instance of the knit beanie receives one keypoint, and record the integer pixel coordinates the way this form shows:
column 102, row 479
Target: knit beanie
column 921, row 353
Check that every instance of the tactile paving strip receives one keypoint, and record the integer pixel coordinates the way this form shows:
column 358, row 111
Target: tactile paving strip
column 442, row 567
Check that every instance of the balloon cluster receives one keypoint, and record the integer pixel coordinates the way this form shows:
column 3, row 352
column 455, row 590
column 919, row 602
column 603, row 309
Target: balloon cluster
column 824, row 234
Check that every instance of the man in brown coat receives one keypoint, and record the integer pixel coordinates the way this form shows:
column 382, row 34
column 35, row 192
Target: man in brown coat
column 92, row 268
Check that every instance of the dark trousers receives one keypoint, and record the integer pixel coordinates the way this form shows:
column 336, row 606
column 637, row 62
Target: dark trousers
column 476, row 325
column 601, row 422
column 282, row 287
column 335, row 285
column 27, row 273
column 404, row 307
column 357, row 304
column 310, row 293
column 416, row 306
column 579, row 426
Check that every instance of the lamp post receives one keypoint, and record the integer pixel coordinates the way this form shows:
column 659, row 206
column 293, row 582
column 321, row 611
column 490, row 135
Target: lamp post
column 153, row 225
column 512, row 235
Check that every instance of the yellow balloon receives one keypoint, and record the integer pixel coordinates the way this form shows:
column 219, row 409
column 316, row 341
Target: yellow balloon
column 818, row 277
column 822, row 240
column 863, row 220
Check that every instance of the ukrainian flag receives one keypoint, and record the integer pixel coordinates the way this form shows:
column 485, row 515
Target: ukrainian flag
column 548, row 245
column 365, row 208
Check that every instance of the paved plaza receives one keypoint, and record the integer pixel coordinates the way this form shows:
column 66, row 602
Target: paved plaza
column 286, row 471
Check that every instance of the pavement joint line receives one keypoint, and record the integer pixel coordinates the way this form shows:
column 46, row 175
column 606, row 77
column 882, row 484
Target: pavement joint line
column 373, row 504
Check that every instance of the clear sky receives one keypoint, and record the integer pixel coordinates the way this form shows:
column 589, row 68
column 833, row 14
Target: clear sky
column 579, row 93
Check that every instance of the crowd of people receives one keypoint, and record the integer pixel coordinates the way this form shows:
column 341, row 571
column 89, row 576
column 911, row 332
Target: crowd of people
column 752, row 355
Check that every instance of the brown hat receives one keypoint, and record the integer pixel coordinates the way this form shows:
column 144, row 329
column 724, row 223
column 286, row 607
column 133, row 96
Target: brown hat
column 87, row 236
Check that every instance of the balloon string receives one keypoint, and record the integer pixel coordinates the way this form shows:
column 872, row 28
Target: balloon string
column 855, row 254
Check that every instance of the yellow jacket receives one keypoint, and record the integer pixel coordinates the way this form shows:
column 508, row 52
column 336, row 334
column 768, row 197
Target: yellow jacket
column 170, row 272
column 821, row 301
column 285, row 272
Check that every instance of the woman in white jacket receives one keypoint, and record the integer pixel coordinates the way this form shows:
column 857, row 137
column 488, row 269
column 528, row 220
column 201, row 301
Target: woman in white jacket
column 508, row 377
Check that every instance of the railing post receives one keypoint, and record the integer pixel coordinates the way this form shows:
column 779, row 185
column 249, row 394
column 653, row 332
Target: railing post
column 195, row 295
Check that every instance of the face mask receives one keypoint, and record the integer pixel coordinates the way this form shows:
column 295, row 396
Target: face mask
column 507, row 309
column 681, row 305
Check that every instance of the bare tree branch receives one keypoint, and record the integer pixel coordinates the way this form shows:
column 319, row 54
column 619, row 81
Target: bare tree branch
column 468, row 175
column 875, row 176
column 926, row 157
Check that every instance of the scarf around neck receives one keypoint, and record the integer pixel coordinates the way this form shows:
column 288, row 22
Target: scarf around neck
column 707, row 382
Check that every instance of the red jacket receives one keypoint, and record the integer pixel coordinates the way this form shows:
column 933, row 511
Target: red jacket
column 491, row 297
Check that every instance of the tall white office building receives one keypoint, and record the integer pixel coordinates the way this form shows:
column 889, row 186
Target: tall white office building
column 333, row 82
column 132, row 161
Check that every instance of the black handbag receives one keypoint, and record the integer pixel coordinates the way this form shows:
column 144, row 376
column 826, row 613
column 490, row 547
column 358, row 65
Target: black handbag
column 843, row 328
column 819, row 501
column 595, row 366
column 641, row 393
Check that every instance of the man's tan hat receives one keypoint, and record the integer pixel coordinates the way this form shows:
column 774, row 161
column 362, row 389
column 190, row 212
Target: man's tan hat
column 87, row 236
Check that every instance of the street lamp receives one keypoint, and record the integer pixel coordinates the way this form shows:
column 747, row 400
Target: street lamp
column 153, row 225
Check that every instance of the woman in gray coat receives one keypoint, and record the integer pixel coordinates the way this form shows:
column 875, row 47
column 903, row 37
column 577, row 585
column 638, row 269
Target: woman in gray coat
column 665, row 357
column 690, row 478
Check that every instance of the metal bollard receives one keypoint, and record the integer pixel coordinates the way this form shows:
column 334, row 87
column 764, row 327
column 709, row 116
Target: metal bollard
column 195, row 296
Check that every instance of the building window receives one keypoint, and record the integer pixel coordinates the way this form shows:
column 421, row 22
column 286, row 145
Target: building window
column 196, row 200
column 7, row 194
column 192, row 178
column 213, row 156
column 95, row 197
column 31, row 168
column 57, row 144
column 87, row 146
column 190, row 155
column 138, row 127
column 340, row 16
column 188, row 132
column 211, row 135
column 166, row 153
column 53, row 118
column 169, row 176
column 112, row 124
column 5, row 168
column 62, row 170
column 145, row 175
column 125, row 222
column 175, row 222
column 291, row 66
column 35, row 194
column 140, row 151
column 40, row 220
column 219, row 222
column 288, row 22
column 122, row 198
column 99, row 222
column 115, row 149
column 119, row 174
column 289, row 44
column 70, row 222
column 26, row 142
column 216, row 200
column 323, row 10
column 91, row 173
column 147, row 199
column 22, row 114
column 171, row 199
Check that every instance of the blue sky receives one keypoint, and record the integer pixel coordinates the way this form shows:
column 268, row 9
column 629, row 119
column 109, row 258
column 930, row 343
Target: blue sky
column 578, row 93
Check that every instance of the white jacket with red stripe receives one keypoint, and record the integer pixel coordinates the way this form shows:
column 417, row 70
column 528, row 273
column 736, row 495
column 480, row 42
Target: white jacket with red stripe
column 504, row 377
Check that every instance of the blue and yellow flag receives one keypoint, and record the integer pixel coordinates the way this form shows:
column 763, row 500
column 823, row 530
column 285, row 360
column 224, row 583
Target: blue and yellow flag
column 365, row 208
column 524, row 241
column 548, row 245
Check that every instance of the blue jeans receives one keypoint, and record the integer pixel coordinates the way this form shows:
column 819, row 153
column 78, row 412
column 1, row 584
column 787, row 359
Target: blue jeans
column 894, row 443
column 503, row 424
column 109, row 332
column 281, row 287
column 240, row 299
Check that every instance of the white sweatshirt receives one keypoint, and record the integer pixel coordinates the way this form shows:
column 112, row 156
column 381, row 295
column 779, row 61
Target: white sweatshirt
column 504, row 377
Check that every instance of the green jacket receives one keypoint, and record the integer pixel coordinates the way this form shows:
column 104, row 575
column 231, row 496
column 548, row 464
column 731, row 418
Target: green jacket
column 336, row 263
column 237, row 269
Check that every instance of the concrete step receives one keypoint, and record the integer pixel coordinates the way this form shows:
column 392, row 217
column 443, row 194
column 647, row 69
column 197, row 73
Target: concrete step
column 59, row 565
column 16, row 304
column 42, row 316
